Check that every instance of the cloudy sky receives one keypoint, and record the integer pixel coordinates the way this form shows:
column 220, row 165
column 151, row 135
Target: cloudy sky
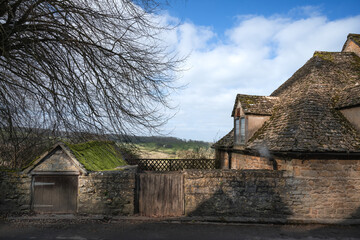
column 248, row 47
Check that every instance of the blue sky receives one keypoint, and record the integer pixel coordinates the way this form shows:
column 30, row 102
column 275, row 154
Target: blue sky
column 248, row 47
column 221, row 15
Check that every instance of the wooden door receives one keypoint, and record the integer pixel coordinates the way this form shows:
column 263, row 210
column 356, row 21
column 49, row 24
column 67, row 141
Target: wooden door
column 161, row 194
column 55, row 194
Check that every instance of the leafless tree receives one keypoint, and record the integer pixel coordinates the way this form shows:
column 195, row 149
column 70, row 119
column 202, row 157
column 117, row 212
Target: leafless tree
column 95, row 66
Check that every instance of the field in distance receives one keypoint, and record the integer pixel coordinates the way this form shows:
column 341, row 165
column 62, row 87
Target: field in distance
column 170, row 147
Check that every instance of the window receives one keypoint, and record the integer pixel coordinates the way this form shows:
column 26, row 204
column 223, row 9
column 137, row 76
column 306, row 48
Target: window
column 240, row 130
column 237, row 130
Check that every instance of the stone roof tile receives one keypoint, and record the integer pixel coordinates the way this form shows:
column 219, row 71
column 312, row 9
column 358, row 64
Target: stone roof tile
column 305, row 119
column 225, row 142
column 348, row 97
column 252, row 104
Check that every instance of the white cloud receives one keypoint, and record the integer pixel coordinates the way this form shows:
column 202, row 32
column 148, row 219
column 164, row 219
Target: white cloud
column 255, row 57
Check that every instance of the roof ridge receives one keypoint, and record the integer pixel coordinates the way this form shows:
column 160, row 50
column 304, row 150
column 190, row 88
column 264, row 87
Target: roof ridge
column 334, row 52
column 270, row 97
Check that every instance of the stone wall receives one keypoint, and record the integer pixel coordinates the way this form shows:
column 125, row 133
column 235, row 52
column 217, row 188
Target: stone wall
column 352, row 115
column 222, row 158
column 15, row 192
column 242, row 161
column 350, row 46
column 318, row 191
column 236, row 193
column 306, row 190
column 327, row 188
column 109, row 192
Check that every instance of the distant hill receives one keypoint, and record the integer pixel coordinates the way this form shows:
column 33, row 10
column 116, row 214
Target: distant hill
column 168, row 147
column 169, row 142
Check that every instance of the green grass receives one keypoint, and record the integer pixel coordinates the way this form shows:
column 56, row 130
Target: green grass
column 172, row 148
column 97, row 155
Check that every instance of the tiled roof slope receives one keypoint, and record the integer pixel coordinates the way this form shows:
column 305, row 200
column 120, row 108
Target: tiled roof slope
column 348, row 97
column 251, row 104
column 305, row 120
column 225, row 142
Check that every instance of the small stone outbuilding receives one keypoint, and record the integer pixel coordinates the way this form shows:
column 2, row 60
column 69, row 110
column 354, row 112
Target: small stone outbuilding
column 66, row 179
column 55, row 181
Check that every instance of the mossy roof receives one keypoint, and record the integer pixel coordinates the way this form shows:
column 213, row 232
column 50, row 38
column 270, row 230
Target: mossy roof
column 252, row 104
column 305, row 119
column 97, row 155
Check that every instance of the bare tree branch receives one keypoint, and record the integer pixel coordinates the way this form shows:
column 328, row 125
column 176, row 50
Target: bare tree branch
column 93, row 66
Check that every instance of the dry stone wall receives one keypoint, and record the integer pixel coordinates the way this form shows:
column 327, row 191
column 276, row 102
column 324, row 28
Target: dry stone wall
column 305, row 190
column 325, row 191
column 109, row 192
column 235, row 193
column 15, row 192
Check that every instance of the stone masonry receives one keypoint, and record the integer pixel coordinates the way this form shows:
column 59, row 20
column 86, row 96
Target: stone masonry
column 15, row 192
column 317, row 191
column 108, row 192
column 247, row 193
column 303, row 190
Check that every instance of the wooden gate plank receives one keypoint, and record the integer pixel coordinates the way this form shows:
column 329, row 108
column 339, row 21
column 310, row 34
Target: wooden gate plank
column 55, row 194
column 161, row 194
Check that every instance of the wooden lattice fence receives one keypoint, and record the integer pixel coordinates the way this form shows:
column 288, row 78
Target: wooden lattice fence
column 164, row 165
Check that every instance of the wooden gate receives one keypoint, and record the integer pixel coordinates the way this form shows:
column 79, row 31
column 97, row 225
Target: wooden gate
column 161, row 194
column 55, row 194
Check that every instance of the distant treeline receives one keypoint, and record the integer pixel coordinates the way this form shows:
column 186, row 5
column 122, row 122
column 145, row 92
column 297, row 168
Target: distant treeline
column 168, row 142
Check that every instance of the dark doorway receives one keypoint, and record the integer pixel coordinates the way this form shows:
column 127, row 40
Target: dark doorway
column 55, row 194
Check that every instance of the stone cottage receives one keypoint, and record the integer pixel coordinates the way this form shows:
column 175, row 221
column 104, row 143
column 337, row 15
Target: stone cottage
column 307, row 125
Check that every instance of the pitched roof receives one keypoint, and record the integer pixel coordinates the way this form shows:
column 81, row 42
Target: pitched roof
column 252, row 104
column 354, row 37
column 348, row 97
column 98, row 155
column 76, row 165
column 305, row 118
column 225, row 142
column 88, row 156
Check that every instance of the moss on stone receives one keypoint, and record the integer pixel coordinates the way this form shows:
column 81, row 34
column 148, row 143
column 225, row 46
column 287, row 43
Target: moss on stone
column 248, row 100
column 328, row 56
column 97, row 155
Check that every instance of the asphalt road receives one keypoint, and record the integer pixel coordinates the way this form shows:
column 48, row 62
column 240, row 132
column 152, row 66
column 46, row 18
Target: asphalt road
column 100, row 229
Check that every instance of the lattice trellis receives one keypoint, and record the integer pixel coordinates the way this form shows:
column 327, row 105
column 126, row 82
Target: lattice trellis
column 164, row 165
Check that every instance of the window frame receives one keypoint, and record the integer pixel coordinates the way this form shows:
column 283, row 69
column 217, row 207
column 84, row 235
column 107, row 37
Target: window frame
column 240, row 130
column 242, row 127
column 237, row 130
